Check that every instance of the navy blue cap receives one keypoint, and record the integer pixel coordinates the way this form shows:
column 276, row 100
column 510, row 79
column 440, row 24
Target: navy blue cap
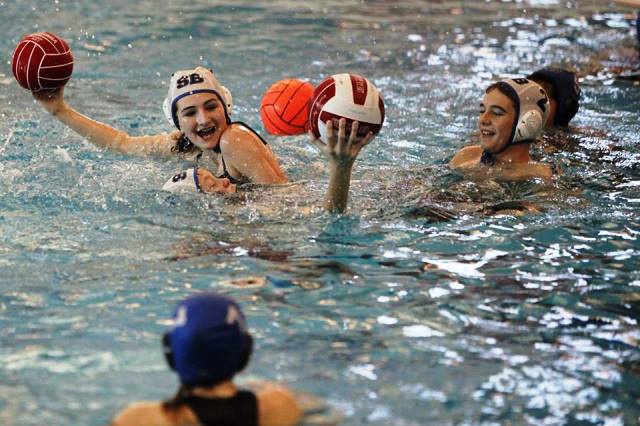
column 638, row 28
column 567, row 92
column 209, row 342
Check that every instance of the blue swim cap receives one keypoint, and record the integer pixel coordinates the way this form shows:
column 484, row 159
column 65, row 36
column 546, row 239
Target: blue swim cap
column 209, row 342
column 567, row 92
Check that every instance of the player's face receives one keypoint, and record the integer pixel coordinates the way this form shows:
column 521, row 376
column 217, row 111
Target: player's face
column 202, row 119
column 497, row 115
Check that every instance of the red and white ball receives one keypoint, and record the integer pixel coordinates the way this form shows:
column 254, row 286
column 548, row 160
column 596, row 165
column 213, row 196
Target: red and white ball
column 42, row 61
column 347, row 96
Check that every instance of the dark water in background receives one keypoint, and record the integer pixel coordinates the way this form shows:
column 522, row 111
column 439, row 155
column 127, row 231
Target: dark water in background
column 389, row 316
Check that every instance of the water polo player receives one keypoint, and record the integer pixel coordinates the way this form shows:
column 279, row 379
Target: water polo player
column 207, row 346
column 563, row 91
column 199, row 107
column 512, row 116
column 341, row 151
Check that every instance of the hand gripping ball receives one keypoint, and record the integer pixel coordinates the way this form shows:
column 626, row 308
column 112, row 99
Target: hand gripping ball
column 42, row 61
column 285, row 107
column 347, row 96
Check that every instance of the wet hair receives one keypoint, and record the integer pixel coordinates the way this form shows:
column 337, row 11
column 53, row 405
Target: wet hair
column 172, row 406
column 183, row 144
column 506, row 90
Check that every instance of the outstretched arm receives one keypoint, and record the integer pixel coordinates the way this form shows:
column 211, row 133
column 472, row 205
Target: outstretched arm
column 99, row 133
column 342, row 153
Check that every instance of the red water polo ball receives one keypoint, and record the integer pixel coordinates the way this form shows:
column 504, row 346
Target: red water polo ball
column 42, row 61
column 285, row 107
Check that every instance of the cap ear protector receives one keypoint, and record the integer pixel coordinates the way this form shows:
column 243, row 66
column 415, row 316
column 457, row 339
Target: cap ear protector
column 529, row 126
column 567, row 92
column 227, row 99
column 189, row 82
column 531, row 107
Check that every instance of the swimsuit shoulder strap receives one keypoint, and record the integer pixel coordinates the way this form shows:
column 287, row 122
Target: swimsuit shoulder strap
column 238, row 410
column 225, row 173
column 242, row 123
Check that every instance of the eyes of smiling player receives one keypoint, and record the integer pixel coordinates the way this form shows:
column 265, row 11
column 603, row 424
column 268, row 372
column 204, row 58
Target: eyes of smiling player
column 190, row 111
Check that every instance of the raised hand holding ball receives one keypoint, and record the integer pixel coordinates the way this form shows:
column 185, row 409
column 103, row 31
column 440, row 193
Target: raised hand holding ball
column 42, row 61
column 347, row 96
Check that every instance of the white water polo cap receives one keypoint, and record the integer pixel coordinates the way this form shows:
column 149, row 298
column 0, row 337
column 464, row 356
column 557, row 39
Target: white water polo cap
column 183, row 181
column 532, row 107
column 190, row 82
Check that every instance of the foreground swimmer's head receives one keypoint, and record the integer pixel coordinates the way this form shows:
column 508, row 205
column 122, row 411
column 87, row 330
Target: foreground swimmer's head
column 564, row 93
column 512, row 111
column 210, row 342
column 198, row 105
column 198, row 180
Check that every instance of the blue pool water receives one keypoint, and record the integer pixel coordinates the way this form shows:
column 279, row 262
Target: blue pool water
column 391, row 317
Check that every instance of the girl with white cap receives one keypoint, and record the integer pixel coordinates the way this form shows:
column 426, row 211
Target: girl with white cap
column 512, row 115
column 341, row 150
column 199, row 107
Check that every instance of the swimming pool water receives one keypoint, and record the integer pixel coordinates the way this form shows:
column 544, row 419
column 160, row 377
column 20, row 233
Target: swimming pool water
column 387, row 314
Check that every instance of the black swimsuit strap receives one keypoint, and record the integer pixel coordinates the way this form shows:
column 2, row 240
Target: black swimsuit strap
column 185, row 145
column 238, row 410
column 242, row 123
column 225, row 173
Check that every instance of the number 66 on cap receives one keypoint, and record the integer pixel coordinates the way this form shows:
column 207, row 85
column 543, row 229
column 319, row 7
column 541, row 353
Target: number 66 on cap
column 347, row 96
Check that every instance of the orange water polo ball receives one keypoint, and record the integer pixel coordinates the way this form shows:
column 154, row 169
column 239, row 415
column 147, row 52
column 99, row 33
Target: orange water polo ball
column 285, row 107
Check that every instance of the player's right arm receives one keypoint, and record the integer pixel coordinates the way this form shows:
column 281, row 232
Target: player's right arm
column 102, row 134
